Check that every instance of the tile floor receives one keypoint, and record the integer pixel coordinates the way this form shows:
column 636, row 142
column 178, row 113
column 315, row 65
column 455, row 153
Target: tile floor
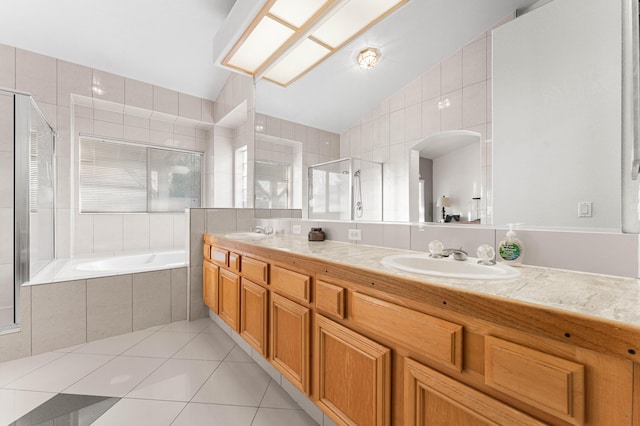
column 183, row 373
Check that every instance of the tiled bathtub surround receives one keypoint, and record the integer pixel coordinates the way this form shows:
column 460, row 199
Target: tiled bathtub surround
column 75, row 312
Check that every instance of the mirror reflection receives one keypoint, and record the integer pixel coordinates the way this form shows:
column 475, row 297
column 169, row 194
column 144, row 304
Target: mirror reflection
column 449, row 85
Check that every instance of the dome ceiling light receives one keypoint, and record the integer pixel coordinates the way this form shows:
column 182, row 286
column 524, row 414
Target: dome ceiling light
column 287, row 38
column 368, row 58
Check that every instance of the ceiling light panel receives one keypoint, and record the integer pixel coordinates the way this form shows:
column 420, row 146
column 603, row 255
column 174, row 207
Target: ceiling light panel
column 267, row 36
column 352, row 19
column 296, row 12
column 297, row 62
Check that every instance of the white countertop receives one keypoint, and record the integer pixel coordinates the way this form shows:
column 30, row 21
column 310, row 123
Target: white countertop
column 601, row 296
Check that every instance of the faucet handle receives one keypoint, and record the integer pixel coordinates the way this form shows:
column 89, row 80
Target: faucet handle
column 486, row 253
column 435, row 249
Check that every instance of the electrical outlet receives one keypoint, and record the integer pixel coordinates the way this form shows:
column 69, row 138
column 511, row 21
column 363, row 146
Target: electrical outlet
column 355, row 234
column 296, row 229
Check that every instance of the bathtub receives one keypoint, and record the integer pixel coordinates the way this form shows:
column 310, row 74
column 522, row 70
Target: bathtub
column 82, row 268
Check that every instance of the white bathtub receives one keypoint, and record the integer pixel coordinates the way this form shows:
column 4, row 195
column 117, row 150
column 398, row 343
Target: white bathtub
column 82, row 268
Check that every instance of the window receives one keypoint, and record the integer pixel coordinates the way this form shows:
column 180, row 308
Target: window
column 272, row 185
column 241, row 177
column 119, row 177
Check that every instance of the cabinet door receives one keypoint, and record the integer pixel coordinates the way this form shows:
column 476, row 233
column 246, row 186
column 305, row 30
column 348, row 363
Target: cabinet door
column 210, row 285
column 433, row 399
column 289, row 343
column 253, row 315
column 229, row 298
column 353, row 375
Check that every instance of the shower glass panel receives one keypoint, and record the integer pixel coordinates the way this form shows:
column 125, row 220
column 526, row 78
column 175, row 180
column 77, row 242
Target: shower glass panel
column 27, row 204
column 41, row 191
column 346, row 189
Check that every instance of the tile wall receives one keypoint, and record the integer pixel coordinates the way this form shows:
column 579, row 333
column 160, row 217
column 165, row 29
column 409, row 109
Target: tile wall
column 594, row 252
column 69, row 313
column 315, row 146
column 387, row 134
column 77, row 99
column 6, row 202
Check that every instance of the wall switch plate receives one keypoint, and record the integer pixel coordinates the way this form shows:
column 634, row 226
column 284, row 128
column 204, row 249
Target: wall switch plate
column 585, row 209
column 355, row 234
column 296, row 229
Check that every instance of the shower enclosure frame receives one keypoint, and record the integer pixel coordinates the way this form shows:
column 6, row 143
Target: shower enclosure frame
column 21, row 203
column 352, row 192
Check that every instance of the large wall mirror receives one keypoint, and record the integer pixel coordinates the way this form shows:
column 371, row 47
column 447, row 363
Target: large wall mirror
column 547, row 122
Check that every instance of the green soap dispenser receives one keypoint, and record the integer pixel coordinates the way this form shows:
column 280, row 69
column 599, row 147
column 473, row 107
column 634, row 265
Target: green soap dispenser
column 510, row 249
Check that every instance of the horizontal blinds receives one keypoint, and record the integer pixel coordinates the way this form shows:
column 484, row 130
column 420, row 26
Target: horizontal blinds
column 113, row 177
column 118, row 177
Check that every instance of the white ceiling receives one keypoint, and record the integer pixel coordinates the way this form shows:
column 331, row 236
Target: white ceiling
column 170, row 42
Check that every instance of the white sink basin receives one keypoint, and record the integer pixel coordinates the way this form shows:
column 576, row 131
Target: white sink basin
column 245, row 236
column 450, row 268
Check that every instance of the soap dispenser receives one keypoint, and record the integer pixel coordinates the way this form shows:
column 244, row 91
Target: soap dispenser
column 510, row 249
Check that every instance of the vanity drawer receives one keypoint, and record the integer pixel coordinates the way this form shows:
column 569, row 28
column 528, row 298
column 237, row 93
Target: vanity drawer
column 206, row 251
column 549, row 383
column 330, row 299
column 291, row 283
column 437, row 339
column 234, row 261
column 220, row 257
column 256, row 270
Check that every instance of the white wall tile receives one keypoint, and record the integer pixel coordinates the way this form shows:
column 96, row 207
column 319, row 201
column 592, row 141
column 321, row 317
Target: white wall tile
column 137, row 134
column 474, row 62
column 107, row 233
column 135, row 232
column 107, row 86
column 451, row 116
column 161, row 231
column 108, row 130
column 165, row 100
column 36, row 74
column 413, row 122
column 73, row 79
column 451, row 73
column 180, row 232
column 431, row 83
column 396, row 127
column 82, row 234
column 109, row 116
column 189, row 107
column 474, row 105
column 138, row 94
column 7, row 66
column 6, row 178
column 63, row 233
column 6, row 123
column 413, row 92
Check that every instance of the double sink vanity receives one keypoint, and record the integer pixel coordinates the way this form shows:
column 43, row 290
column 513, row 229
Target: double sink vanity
column 375, row 344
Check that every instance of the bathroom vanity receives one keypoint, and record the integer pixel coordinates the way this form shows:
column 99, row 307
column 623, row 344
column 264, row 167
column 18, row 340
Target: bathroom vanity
column 373, row 346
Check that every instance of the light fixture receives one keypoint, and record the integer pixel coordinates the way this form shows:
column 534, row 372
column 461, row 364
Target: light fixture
column 443, row 202
column 287, row 38
column 368, row 58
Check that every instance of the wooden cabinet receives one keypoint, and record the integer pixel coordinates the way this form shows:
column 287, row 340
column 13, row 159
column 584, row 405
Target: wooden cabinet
column 229, row 298
column 433, row 399
column 289, row 342
column 256, row 270
column 327, row 328
column 353, row 375
column 549, row 383
column 210, row 285
column 253, row 315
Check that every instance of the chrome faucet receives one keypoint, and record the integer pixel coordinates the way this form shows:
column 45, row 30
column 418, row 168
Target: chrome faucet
column 458, row 254
column 267, row 230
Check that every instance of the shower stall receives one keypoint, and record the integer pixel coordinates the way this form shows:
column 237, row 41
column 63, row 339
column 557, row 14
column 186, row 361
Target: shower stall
column 27, row 210
column 345, row 189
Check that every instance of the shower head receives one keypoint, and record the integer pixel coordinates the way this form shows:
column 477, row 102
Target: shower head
column 357, row 173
